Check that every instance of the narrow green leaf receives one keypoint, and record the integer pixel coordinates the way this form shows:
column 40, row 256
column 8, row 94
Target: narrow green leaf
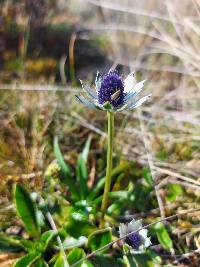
column 84, row 228
column 86, row 148
column 46, row 238
column 82, row 173
column 116, row 207
column 122, row 195
column 75, row 254
column 131, row 261
column 59, row 261
column 65, row 169
column 155, row 257
column 97, row 188
column 142, row 259
column 9, row 244
column 99, row 238
column 26, row 210
column 41, row 263
column 28, row 245
column 163, row 236
column 86, row 263
column 147, row 259
column 82, row 176
column 27, row 260
column 119, row 194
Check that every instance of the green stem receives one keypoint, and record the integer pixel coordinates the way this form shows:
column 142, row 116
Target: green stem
column 109, row 162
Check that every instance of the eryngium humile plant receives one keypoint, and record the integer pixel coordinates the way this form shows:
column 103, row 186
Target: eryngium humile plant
column 112, row 95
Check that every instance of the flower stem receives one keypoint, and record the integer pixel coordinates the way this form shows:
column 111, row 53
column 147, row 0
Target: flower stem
column 110, row 116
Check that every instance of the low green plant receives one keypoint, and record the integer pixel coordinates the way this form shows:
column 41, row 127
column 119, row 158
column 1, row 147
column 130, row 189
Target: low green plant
column 76, row 211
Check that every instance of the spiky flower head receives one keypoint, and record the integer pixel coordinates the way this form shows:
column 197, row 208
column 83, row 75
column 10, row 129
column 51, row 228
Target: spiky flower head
column 112, row 93
column 111, row 89
column 138, row 240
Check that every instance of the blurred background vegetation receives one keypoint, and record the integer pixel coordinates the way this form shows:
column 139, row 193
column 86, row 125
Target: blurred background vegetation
column 46, row 46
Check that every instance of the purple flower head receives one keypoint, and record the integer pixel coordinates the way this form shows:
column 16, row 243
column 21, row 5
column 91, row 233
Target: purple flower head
column 137, row 238
column 112, row 89
column 134, row 240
